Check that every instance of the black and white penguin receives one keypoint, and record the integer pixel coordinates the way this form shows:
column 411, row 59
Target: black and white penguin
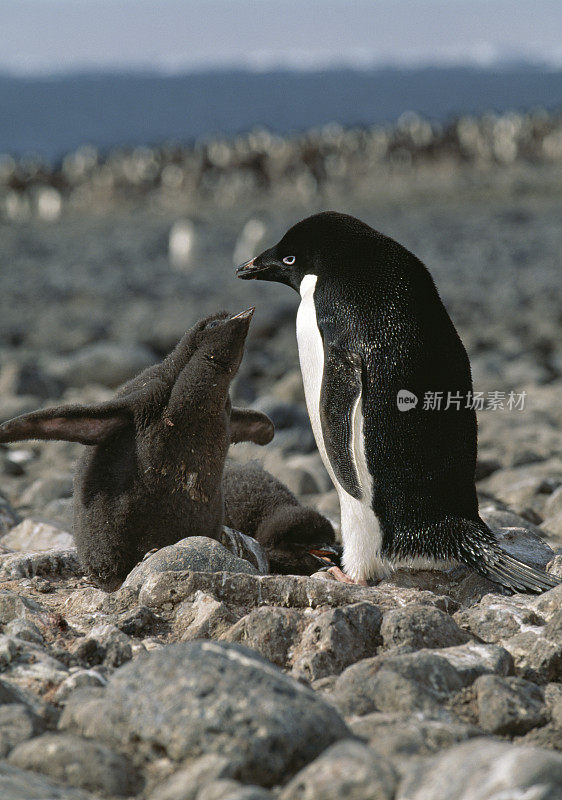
column 371, row 325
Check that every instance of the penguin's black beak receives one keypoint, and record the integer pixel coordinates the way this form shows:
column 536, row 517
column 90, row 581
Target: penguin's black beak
column 264, row 268
column 247, row 270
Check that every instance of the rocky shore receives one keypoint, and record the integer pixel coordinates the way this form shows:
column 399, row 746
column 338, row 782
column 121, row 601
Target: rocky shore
column 202, row 678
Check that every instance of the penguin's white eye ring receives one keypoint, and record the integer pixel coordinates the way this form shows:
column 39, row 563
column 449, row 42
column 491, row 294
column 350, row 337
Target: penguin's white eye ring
column 289, row 260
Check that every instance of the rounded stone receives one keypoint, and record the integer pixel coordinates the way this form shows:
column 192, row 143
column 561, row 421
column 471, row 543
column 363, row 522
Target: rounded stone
column 195, row 554
column 209, row 697
column 76, row 761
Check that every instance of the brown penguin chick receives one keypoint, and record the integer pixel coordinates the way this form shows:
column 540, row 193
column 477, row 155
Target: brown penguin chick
column 152, row 472
column 297, row 539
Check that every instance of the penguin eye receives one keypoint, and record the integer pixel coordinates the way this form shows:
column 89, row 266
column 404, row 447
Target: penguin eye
column 289, row 260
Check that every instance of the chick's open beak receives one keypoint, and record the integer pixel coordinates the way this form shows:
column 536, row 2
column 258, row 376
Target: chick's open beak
column 329, row 555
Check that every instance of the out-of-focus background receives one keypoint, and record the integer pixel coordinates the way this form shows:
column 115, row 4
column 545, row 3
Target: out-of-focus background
column 146, row 148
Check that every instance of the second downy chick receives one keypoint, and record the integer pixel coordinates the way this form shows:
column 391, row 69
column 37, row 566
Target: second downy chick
column 295, row 537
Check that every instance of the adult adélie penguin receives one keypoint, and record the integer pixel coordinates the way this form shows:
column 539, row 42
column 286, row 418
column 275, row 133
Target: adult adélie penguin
column 371, row 328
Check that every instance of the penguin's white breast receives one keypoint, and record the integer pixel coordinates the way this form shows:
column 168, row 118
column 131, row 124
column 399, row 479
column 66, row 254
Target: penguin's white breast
column 311, row 357
column 360, row 527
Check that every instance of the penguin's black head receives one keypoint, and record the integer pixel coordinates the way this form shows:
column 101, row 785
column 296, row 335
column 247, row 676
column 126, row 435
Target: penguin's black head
column 326, row 244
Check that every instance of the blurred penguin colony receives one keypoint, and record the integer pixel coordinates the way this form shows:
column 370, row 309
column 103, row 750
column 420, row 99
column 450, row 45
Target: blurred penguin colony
column 307, row 165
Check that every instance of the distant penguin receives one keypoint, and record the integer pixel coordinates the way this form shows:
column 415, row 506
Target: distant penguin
column 298, row 540
column 371, row 325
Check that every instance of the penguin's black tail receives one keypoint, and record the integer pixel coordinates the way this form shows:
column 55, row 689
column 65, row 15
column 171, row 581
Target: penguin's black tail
column 514, row 575
column 486, row 557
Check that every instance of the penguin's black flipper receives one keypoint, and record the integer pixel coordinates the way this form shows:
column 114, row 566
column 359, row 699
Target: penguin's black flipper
column 340, row 405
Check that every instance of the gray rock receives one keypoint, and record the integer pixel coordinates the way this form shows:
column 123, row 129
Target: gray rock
column 12, row 606
column 78, row 680
column 197, row 697
column 17, row 460
column 298, row 480
column 525, row 546
column 336, row 639
column 347, row 770
column 516, row 486
column 24, row 629
column 292, row 591
column 552, row 526
column 220, row 790
column 553, row 700
column 403, row 735
column 87, row 600
column 553, row 504
column 549, row 736
column 302, row 473
column 115, row 645
column 19, row 784
column 509, row 706
column 270, row 631
column 60, row 512
column 195, row 554
column 34, row 667
column 312, row 463
column 420, row 681
column 76, row 761
column 555, row 566
column 497, row 618
column 81, row 711
column 416, row 626
column 396, row 683
column 49, row 562
column 105, row 363
column 548, row 605
column 9, row 694
column 8, row 517
column 14, row 406
column 43, row 490
column 186, row 783
column 473, row 659
column 202, row 618
column 499, row 518
column 8, row 651
column 289, row 388
column 138, row 621
column 13, row 694
column 460, row 586
column 536, row 657
column 17, row 724
column 33, row 535
column 248, row 793
column 283, row 415
column 482, row 769
column 486, row 467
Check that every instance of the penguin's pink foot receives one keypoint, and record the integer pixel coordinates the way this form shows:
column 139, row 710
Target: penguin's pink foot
column 343, row 578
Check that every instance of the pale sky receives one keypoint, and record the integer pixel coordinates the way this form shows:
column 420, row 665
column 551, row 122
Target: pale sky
column 43, row 36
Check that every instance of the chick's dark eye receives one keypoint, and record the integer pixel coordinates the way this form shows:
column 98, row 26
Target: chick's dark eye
column 289, row 260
